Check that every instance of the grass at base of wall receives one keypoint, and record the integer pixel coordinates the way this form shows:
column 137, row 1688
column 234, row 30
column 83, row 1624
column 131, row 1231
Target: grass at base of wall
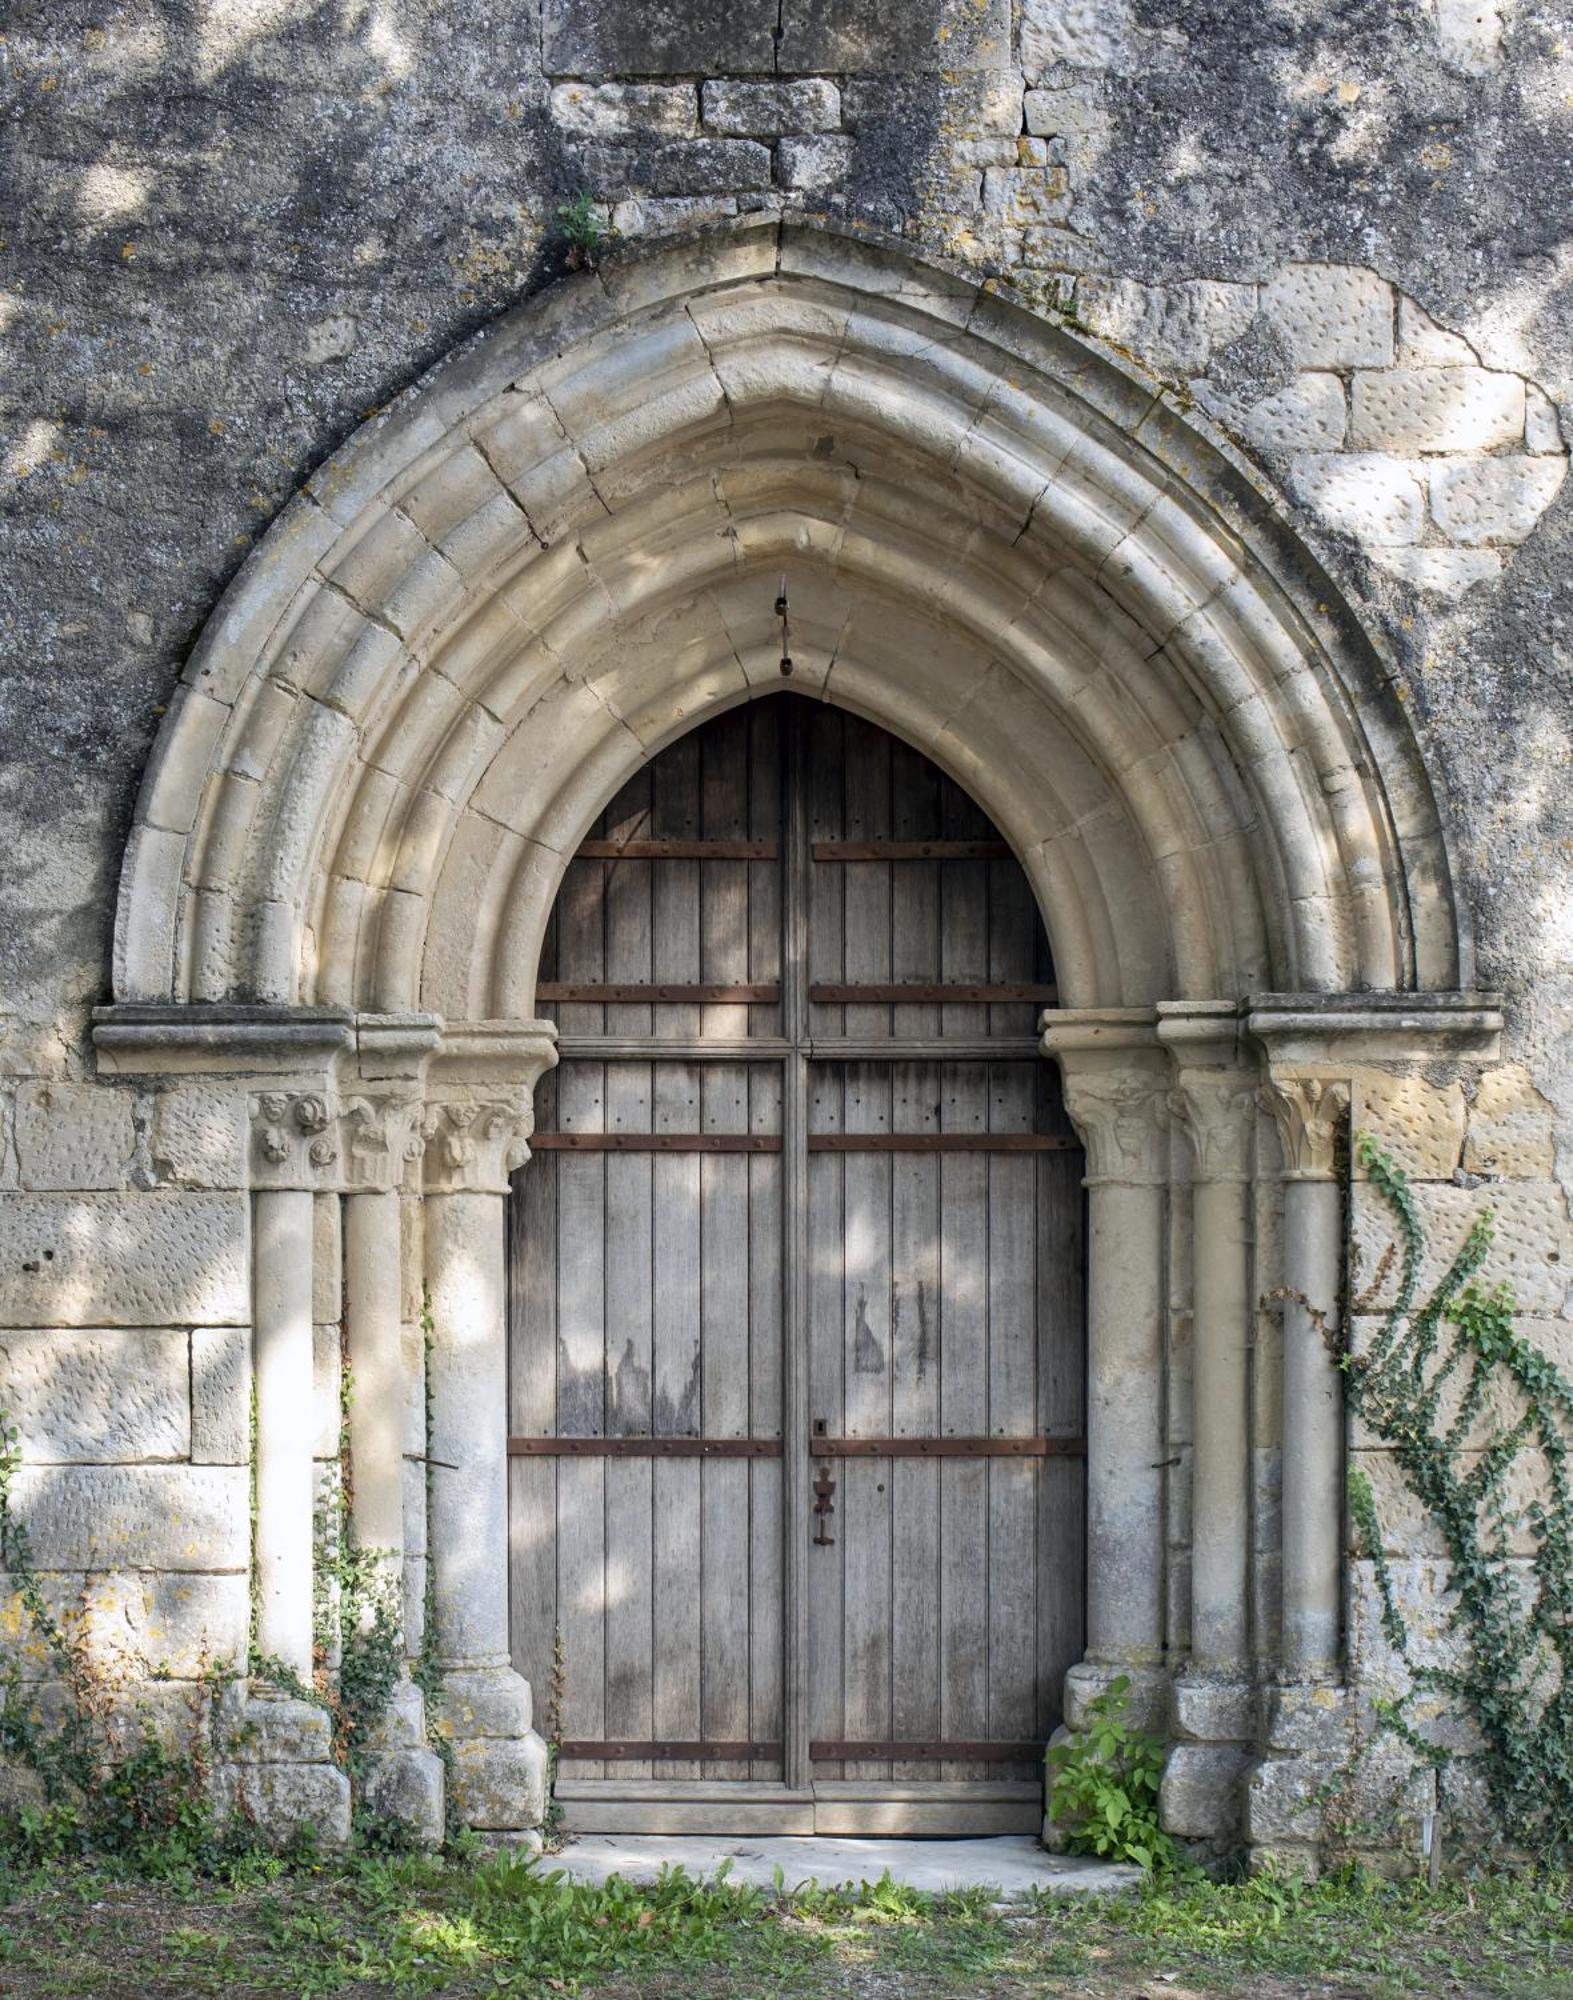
column 465, row 1929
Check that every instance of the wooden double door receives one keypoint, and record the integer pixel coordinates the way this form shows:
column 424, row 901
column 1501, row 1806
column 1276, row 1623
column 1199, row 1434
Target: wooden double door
column 796, row 1352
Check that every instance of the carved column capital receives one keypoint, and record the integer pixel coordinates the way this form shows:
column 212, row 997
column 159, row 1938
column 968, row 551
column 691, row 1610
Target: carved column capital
column 473, row 1143
column 383, row 1141
column 1216, row 1109
column 1122, row 1114
column 1309, row 1112
column 294, row 1139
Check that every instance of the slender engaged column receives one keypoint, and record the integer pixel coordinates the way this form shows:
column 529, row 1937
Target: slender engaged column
column 376, row 1404
column 1116, row 1083
column 283, row 1374
column 1308, row 1113
column 1216, row 1109
column 467, row 1378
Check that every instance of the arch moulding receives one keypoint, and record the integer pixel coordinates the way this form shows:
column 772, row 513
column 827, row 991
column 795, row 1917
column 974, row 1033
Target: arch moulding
column 562, row 549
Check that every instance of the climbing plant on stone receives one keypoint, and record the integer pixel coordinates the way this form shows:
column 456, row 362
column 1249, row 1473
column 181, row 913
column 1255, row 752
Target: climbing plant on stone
column 1461, row 1399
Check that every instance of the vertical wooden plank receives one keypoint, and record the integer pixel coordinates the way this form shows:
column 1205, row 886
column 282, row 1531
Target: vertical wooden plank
column 630, row 1293
column 1013, row 1398
column 581, row 1407
column 766, row 821
column 866, row 1499
column 796, row 1362
column 866, row 894
column 674, row 909
column 964, row 1580
column 826, row 1302
column 724, row 1373
column 678, row 1412
column 766, row 1576
column 822, row 784
column 723, row 920
column 915, row 1374
column 627, row 924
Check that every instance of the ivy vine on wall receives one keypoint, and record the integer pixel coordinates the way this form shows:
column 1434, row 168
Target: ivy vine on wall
column 1466, row 1405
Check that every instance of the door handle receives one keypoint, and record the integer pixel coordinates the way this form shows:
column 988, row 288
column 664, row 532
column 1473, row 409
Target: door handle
column 824, row 1507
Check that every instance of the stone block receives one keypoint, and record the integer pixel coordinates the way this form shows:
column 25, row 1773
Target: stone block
column 1444, row 573
column 876, row 37
column 679, row 166
column 1510, row 1129
column 404, row 1789
column 118, row 1395
column 1420, row 1124
column 1483, row 500
column 1408, row 1528
column 138, row 1621
column 1331, row 315
column 1173, row 328
column 1082, row 34
column 490, row 1701
column 220, row 1395
column 154, row 1517
column 1026, row 197
column 1200, row 1795
column 73, row 1135
column 1366, row 495
column 1285, row 1800
column 1529, row 1248
column 499, row 1783
column 1435, row 409
column 1207, row 1711
column 663, row 38
column 264, row 1727
column 200, row 1136
column 1542, row 425
column 1311, row 1719
column 1307, row 414
column 1424, row 344
column 159, row 1259
column 663, row 214
column 810, row 166
column 1147, row 1697
column 755, row 110
column 286, row 1802
column 609, row 110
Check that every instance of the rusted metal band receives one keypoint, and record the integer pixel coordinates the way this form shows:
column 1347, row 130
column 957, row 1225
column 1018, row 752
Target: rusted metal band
column 615, row 1749
column 656, row 1142
column 626, row 994
column 833, row 995
column 947, row 1447
column 927, row 1753
column 643, row 1447
column 938, row 1142
column 910, row 850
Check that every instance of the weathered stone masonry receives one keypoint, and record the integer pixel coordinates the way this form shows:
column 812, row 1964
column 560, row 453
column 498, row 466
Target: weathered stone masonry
column 1227, row 568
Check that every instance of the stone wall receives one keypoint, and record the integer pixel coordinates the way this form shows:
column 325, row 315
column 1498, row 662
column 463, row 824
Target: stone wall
column 234, row 234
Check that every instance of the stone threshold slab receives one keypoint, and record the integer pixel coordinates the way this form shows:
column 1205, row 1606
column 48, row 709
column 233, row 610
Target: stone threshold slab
column 1013, row 1864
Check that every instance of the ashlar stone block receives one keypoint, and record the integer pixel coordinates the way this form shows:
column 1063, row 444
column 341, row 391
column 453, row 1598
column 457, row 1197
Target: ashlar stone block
column 1435, row 409
column 1424, row 344
column 755, row 110
column 1171, row 327
column 144, row 1517
column 809, row 166
column 1529, row 1246
column 608, row 110
column 1420, row 1124
column 1306, row 415
column 287, row 1801
column 95, row 1396
column 221, row 1395
column 73, row 1135
column 1484, row 500
column 1331, row 315
column 200, row 1136
column 135, row 1259
column 1368, row 495
column 1510, row 1129
column 177, row 1623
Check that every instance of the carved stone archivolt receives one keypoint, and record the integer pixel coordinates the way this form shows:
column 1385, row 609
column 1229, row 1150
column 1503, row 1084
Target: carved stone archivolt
column 1309, row 1113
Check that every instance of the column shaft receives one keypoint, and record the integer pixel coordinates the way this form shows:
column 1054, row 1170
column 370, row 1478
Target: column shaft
column 377, row 1394
column 1220, row 1538
column 467, row 1534
column 1312, row 1429
column 283, row 1367
column 1125, row 1537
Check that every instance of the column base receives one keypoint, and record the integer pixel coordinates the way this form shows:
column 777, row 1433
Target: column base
column 499, row 1767
column 275, row 1771
column 1214, row 1723
column 1146, row 1709
column 402, row 1781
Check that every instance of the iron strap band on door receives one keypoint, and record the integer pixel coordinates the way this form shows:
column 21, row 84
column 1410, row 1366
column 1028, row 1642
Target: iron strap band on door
column 614, row 1749
column 693, row 1447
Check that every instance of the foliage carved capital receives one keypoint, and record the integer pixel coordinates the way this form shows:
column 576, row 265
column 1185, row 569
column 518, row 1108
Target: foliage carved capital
column 1309, row 1113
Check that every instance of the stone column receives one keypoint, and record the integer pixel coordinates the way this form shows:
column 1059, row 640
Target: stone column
column 1214, row 1714
column 1116, row 1083
column 498, row 1772
column 281, row 1292
column 1309, row 1113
